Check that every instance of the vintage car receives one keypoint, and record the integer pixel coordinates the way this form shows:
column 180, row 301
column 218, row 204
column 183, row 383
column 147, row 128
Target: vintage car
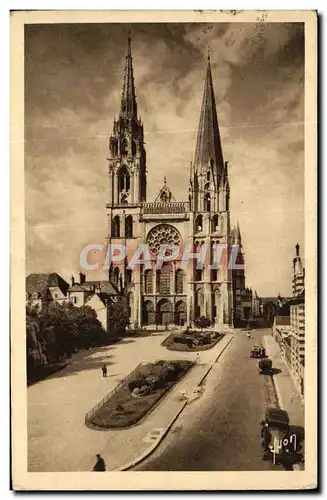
column 257, row 352
column 275, row 437
column 265, row 366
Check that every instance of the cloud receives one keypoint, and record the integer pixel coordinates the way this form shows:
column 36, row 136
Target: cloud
column 73, row 88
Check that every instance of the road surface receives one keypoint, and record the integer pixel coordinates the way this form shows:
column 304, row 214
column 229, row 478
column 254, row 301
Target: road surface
column 221, row 430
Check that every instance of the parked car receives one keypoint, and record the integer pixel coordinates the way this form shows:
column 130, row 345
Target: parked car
column 258, row 352
column 275, row 437
column 265, row 366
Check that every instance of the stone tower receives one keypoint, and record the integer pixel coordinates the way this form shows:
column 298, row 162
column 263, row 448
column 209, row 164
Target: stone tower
column 180, row 290
column 127, row 181
column 209, row 212
column 127, row 157
column 298, row 272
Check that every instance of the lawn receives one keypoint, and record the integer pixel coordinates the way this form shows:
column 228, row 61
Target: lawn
column 140, row 394
column 192, row 340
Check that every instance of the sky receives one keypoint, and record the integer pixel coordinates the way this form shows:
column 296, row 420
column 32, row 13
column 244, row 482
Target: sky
column 73, row 83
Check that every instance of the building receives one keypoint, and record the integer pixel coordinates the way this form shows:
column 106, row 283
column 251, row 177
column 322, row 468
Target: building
column 289, row 330
column 256, row 303
column 177, row 292
column 95, row 294
column 242, row 296
column 297, row 315
column 45, row 288
column 281, row 331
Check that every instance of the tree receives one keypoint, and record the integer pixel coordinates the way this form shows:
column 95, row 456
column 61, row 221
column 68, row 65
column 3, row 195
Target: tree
column 203, row 322
column 118, row 317
column 56, row 332
column 73, row 328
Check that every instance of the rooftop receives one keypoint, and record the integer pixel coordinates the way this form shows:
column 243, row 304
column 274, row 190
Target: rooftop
column 40, row 282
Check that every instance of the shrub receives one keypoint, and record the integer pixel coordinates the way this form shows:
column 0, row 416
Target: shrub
column 144, row 390
column 126, row 408
column 153, row 381
column 120, row 409
column 203, row 322
column 137, row 382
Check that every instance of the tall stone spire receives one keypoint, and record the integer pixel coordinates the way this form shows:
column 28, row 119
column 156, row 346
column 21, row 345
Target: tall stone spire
column 208, row 145
column 127, row 156
column 128, row 100
column 238, row 232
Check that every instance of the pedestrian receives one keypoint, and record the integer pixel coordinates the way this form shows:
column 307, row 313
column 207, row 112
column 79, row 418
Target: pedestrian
column 197, row 358
column 104, row 370
column 100, row 465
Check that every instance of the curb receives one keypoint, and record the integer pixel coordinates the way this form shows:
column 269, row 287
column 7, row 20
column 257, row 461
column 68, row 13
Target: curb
column 275, row 382
column 209, row 370
column 151, row 449
column 296, row 467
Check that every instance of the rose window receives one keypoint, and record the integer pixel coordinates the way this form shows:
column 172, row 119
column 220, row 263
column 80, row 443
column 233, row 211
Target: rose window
column 163, row 234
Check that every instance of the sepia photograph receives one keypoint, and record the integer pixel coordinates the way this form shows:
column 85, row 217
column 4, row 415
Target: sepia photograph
column 164, row 250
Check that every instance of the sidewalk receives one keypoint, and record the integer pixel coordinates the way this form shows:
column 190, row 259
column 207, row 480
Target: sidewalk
column 58, row 438
column 288, row 396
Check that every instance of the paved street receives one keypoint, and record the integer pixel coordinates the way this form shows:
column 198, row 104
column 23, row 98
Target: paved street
column 221, row 431
column 58, row 439
column 218, row 431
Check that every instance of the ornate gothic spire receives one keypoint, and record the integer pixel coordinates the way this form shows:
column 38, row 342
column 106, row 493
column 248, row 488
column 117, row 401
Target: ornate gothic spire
column 238, row 232
column 208, row 146
column 128, row 100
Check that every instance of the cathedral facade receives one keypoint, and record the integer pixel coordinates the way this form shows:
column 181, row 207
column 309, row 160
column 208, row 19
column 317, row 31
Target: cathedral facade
column 180, row 289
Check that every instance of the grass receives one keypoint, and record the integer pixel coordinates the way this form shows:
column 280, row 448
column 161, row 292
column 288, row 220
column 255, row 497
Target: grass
column 124, row 409
column 173, row 344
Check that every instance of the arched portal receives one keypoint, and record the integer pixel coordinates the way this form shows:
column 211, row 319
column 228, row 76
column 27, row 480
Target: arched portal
column 180, row 313
column 164, row 312
column 148, row 313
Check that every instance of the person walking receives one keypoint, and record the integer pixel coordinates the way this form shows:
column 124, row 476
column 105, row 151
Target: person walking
column 100, row 465
column 197, row 358
column 104, row 370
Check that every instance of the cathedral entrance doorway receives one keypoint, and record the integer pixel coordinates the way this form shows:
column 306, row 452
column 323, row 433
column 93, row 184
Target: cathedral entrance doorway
column 164, row 312
column 148, row 313
column 180, row 313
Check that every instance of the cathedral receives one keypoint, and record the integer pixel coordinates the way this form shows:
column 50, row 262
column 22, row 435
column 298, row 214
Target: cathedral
column 180, row 290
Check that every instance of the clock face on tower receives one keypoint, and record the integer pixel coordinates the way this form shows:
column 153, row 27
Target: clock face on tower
column 163, row 234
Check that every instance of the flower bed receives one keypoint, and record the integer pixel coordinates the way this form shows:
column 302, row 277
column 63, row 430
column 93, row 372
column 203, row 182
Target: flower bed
column 139, row 394
column 192, row 340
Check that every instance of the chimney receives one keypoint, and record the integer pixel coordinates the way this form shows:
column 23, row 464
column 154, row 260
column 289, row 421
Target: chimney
column 73, row 281
column 82, row 278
